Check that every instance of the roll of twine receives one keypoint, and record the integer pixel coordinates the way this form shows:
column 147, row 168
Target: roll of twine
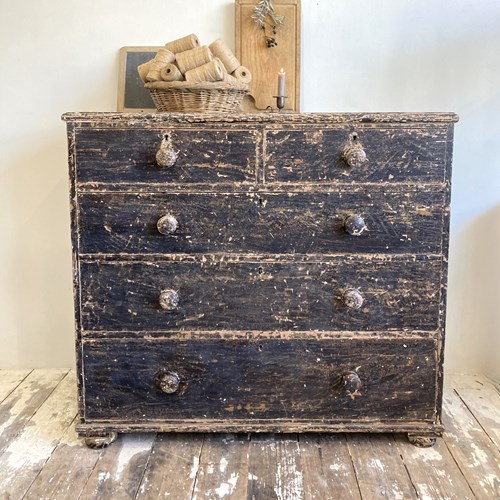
column 143, row 70
column 242, row 74
column 209, row 72
column 193, row 58
column 154, row 73
column 224, row 70
column 170, row 73
column 164, row 56
column 230, row 79
column 224, row 53
column 182, row 44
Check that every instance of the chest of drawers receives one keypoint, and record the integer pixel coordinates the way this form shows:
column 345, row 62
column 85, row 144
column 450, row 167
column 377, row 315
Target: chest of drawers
column 270, row 272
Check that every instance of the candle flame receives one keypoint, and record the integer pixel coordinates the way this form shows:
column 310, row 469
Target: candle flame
column 281, row 70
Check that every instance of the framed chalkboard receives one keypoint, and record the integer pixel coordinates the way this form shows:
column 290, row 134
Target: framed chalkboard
column 132, row 96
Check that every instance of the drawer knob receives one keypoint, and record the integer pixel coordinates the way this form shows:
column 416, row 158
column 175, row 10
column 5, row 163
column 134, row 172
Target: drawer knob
column 168, row 382
column 354, row 224
column 352, row 298
column 167, row 224
column 166, row 156
column 354, row 155
column 169, row 300
column 351, row 383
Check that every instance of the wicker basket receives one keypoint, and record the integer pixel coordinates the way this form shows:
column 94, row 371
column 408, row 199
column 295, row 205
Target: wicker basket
column 196, row 97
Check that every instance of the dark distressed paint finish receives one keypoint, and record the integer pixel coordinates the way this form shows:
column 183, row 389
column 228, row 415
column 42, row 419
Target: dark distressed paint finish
column 255, row 379
column 393, row 155
column 264, row 222
column 129, row 155
column 263, row 270
column 398, row 293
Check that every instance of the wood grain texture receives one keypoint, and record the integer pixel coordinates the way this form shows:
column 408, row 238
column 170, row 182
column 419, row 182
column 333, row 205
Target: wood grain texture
column 260, row 257
column 471, row 447
column 265, row 62
column 19, row 406
column 274, row 467
column 398, row 293
column 432, row 471
column 67, row 470
column 223, row 470
column 398, row 221
column 203, row 155
column 306, row 466
column 120, row 120
column 21, row 460
column 327, row 467
column 243, row 379
column 393, row 154
column 9, row 380
column 172, row 467
column 379, row 471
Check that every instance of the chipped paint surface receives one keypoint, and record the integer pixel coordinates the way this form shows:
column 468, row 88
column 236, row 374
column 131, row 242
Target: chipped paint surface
column 194, row 467
column 288, row 480
column 261, row 201
column 227, row 488
column 446, row 471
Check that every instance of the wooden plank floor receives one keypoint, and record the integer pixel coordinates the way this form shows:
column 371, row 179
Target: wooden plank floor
column 41, row 456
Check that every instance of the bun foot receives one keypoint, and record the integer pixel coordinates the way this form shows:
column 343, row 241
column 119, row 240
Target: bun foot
column 421, row 440
column 101, row 440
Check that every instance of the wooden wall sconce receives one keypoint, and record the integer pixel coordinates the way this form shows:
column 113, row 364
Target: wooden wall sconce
column 267, row 48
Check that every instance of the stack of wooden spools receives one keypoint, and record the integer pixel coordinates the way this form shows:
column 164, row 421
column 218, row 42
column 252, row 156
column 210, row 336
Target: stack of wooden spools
column 184, row 76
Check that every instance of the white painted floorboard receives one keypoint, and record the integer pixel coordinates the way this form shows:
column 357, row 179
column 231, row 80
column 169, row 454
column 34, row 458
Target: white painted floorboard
column 41, row 456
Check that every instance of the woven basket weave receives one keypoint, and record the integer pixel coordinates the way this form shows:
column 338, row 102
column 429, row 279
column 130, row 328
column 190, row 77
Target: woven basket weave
column 196, row 97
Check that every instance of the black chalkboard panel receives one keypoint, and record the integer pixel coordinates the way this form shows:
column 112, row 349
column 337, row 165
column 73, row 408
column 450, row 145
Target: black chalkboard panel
column 132, row 96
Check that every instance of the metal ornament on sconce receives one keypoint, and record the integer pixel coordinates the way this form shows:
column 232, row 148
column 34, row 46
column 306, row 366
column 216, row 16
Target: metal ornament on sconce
column 262, row 11
column 270, row 41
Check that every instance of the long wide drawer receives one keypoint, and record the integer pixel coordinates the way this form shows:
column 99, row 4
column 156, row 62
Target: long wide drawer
column 215, row 292
column 143, row 380
column 388, row 221
column 393, row 154
column 129, row 155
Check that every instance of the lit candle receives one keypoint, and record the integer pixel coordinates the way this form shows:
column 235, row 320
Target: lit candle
column 281, row 83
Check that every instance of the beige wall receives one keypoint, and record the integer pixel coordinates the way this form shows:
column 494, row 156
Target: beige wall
column 383, row 55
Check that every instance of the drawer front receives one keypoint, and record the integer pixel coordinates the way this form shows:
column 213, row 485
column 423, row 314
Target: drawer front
column 392, row 155
column 129, row 155
column 345, row 293
column 143, row 380
column 395, row 222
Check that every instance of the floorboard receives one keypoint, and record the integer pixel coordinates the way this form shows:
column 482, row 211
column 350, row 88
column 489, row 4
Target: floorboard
column 26, row 455
column 379, row 470
column 41, row 456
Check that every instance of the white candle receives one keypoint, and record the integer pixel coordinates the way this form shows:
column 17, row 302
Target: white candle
column 281, row 83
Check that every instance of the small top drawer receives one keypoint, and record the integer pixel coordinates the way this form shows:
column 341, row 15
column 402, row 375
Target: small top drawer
column 130, row 155
column 367, row 154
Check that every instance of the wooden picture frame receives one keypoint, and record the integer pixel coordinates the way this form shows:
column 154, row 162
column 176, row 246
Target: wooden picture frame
column 132, row 96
